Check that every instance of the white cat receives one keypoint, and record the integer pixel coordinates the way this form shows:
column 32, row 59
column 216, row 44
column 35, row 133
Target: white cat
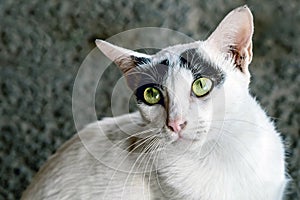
column 198, row 133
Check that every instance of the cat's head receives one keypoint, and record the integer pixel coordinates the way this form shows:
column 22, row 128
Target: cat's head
column 183, row 88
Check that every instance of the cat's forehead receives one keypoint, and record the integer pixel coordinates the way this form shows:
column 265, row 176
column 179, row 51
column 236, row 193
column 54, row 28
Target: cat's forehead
column 183, row 63
column 187, row 57
column 175, row 51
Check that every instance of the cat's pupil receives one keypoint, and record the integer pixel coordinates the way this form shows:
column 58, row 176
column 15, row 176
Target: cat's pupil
column 151, row 95
column 203, row 84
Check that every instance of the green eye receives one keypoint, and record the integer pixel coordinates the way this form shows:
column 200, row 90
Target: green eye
column 202, row 86
column 152, row 95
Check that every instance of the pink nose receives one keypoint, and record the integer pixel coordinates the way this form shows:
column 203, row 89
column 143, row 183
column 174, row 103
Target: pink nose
column 176, row 125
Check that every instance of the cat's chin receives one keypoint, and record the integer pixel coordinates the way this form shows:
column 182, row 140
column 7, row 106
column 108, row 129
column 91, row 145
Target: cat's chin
column 179, row 141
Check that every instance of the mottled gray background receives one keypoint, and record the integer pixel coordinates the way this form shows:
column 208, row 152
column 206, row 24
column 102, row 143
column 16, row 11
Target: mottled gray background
column 43, row 43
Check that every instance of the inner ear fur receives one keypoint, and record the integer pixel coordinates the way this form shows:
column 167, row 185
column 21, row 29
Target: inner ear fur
column 241, row 57
column 126, row 59
column 233, row 37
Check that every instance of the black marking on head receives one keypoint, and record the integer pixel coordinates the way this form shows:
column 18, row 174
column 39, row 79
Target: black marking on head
column 147, row 74
column 200, row 66
column 183, row 59
column 165, row 62
column 140, row 60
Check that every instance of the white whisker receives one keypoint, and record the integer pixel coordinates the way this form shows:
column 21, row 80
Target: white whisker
column 137, row 160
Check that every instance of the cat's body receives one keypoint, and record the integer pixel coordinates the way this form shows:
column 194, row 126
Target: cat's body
column 186, row 145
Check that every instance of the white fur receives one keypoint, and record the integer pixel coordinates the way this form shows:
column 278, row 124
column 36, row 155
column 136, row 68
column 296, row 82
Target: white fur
column 230, row 149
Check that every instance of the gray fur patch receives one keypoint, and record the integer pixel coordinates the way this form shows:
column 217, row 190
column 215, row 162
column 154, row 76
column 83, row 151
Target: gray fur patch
column 200, row 66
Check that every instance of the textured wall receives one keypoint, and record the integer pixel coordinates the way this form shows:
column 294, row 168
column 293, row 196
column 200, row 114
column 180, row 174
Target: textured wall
column 42, row 45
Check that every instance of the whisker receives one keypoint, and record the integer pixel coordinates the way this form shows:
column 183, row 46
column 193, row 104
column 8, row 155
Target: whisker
column 146, row 149
column 153, row 146
column 158, row 181
column 127, row 138
column 135, row 162
column 155, row 157
column 141, row 143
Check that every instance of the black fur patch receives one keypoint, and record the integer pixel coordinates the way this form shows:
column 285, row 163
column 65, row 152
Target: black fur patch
column 201, row 66
column 143, row 75
column 140, row 60
column 165, row 62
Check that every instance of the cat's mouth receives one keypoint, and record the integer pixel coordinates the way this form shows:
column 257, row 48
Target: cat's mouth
column 182, row 137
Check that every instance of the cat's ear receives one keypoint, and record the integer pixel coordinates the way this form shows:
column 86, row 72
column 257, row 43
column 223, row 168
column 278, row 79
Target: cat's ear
column 126, row 59
column 233, row 37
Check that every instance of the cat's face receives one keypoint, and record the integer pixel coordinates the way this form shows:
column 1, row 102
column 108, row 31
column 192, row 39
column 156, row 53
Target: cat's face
column 182, row 89
column 175, row 89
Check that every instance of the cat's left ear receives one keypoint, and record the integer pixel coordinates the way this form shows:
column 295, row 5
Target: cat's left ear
column 233, row 37
column 126, row 59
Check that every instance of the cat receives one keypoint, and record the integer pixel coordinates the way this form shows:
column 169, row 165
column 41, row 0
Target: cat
column 197, row 133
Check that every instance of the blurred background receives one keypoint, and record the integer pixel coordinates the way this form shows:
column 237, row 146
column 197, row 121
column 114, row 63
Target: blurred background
column 43, row 43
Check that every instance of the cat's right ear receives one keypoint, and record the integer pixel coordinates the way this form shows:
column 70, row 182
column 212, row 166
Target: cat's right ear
column 126, row 59
column 233, row 37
